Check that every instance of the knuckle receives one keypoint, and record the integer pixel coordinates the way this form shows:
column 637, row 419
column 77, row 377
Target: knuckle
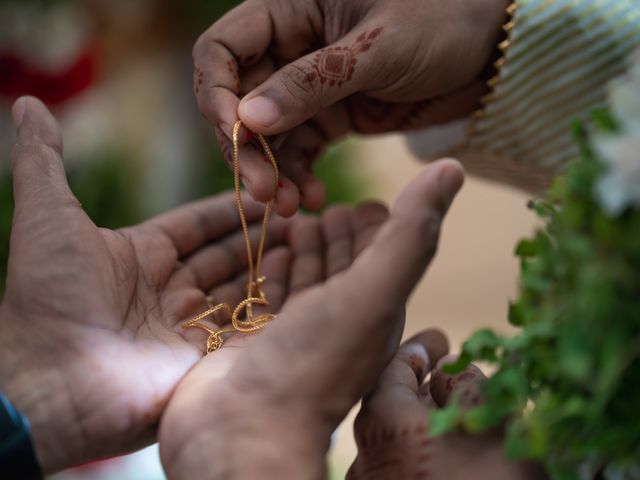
column 371, row 214
column 337, row 210
column 35, row 150
column 299, row 82
column 208, row 105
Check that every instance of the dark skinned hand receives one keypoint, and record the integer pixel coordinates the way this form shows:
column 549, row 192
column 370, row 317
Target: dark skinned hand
column 266, row 407
column 311, row 71
column 90, row 340
column 392, row 427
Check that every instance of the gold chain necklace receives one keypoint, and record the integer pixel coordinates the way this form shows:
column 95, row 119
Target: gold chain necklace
column 255, row 293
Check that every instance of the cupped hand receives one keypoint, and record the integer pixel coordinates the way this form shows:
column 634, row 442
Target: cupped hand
column 392, row 427
column 312, row 71
column 265, row 408
column 90, row 338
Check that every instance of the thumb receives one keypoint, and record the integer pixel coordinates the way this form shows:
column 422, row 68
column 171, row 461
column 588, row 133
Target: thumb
column 302, row 88
column 388, row 270
column 39, row 181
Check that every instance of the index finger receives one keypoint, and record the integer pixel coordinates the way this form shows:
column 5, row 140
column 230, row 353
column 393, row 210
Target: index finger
column 238, row 39
column 193, row 225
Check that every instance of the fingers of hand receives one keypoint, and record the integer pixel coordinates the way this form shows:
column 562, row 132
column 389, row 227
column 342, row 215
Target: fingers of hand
column 386, row 272
column 258, row 176
column 239, row 38
column 347, row 232
column 465, row 387
column 194, row 225
column 276, row 267
column 414, row 360
column 222, row 260
column 256, row 172
column 304, row 145
column 368, row 218
column 338, row 234
column 301, row 149
column 307, row 245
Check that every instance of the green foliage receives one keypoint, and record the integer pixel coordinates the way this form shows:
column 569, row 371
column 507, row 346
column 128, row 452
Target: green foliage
column 568, row 385
column 106, row 186
column 200, row 14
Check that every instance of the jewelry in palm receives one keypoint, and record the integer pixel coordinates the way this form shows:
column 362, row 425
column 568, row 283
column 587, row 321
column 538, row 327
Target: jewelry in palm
column 255, row 292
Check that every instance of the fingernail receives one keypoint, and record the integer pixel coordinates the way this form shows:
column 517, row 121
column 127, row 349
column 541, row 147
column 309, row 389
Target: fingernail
column 17, row 112
column 261, row 110
column 451, row 180
column 418, row 358
column 280, row 184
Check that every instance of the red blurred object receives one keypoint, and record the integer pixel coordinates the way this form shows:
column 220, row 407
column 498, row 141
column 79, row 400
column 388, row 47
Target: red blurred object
column 18, row 77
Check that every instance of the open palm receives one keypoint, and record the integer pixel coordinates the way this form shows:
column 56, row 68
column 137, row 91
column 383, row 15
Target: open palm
column 266, row 409
column 90, row 322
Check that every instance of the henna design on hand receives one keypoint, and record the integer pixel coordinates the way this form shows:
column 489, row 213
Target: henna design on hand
column 336, row 65
column 233, row 69
column 385, row 453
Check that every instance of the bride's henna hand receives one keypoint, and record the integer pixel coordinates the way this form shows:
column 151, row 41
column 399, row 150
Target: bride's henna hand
column 392, row 428
column 319, row 69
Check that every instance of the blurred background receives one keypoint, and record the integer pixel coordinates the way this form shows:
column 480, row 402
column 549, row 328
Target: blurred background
column 118, row 76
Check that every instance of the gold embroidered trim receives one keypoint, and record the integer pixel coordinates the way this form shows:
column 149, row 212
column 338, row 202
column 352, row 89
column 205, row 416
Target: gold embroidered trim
column 499, row 64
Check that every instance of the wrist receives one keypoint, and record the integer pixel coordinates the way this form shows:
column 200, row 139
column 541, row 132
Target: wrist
column 36, row 391
column 242, row 437
column 40, row 402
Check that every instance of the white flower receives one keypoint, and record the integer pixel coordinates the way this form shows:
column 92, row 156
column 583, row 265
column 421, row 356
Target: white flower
column 624, row 97
column 619, row 186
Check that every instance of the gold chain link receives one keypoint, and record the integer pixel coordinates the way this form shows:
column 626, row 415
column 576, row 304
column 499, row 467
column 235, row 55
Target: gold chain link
column 255, row 292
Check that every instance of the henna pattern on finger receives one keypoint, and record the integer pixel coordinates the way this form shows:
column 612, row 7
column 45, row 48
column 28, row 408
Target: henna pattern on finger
column 198, row 75
column 336, row 65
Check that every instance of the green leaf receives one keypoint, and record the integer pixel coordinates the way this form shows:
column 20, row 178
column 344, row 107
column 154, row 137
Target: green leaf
column 516, row 316
column 444, row 420
column 528, row 248
column 462, row 362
